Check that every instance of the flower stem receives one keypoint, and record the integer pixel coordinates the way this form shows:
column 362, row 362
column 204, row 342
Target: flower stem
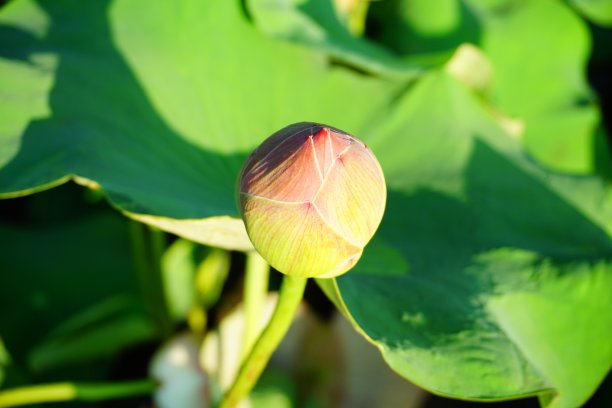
column 255, row 291
column 74, row 392
column 290, row 296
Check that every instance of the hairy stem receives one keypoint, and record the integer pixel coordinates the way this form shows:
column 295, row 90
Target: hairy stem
column 290, row 296
column 74, row 392
column 255, row 291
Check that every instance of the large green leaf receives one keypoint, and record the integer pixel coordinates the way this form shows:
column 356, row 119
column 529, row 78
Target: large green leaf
column 317, row 24
column 538, row 50
column 489, row 277
column 159, row 114
column 411, row 27
column 158, row 104
column 99, row 332
column 547, row 90
column 52, row 273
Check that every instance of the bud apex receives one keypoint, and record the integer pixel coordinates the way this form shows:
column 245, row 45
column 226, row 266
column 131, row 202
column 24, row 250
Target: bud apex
column 311, row 198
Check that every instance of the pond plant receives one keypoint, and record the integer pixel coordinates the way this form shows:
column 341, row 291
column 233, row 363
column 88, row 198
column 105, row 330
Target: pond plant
column 473, row 252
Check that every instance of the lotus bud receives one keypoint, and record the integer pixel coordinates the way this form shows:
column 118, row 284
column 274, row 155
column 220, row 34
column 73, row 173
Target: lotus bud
column 311, row 197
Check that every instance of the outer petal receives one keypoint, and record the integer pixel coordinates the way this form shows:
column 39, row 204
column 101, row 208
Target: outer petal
column 286, row 173
column 294, row 239
column 328, row 145
column 352, row 197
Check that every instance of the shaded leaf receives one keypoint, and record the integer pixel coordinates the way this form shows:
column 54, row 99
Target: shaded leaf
column 423, row 27
column 98, row 332
column 49, row 274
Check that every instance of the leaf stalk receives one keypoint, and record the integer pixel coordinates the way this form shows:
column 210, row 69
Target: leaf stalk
column 290, row 297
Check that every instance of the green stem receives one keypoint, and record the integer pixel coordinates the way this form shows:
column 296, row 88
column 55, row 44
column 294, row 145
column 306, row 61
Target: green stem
column 289, row 298
column 158, row 246
column 255, row 291
column 74, row 392
column 148, row 245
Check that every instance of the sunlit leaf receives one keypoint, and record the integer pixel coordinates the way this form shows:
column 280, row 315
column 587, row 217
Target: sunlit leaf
column 538, row 50
column 317, row 24
column 598, row 11
column 548, row 90
column 160, row 126
column 489, row 277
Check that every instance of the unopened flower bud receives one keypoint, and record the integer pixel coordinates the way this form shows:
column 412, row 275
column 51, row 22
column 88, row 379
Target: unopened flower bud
column 311, row 197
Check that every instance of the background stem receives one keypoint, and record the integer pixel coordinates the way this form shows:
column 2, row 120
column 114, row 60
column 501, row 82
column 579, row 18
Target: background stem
column 74, row 392
column 289, row 298
column 255, row 290
column 148, row 246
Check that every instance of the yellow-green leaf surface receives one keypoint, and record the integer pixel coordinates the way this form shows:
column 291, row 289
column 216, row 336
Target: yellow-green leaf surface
column 538, row 50
column 598, row 11
column 489, row 277
column 527, row 42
